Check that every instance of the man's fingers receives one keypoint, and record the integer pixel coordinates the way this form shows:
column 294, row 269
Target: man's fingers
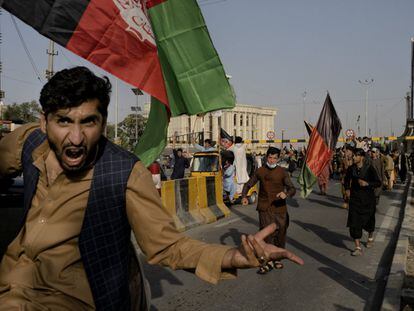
column 258, row 250
column 265, row 232
column 285, row 254
column 248, row 250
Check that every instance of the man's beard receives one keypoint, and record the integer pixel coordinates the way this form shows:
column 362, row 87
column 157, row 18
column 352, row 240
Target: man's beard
column 70, row 149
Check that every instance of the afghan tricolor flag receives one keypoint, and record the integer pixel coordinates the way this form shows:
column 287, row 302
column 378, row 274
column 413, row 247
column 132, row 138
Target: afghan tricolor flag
column 159, row 46
column 321, row 146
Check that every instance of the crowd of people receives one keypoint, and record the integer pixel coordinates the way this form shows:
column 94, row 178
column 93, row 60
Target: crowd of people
column 365, row 170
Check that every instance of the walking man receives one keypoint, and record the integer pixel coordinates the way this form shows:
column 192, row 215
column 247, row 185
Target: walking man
column 361, row 180
column 389, row 171
column 378, row 164
column 275, row 187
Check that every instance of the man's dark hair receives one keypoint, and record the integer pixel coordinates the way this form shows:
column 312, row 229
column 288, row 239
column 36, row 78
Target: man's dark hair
column 227, row 155
column 349, row 147
column 180, row 149
column 208, row 141
column 273, row 150
column 238, row 140
column 71, row 87
column 359, row 152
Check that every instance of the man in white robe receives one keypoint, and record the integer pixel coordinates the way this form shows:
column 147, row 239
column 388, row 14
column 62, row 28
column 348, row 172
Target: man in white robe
column 240, row 161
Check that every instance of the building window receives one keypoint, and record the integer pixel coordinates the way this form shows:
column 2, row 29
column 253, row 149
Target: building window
column 235, row 120
column 241, row 120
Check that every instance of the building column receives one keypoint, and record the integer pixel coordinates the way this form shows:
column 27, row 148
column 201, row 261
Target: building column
column 256, row 128
column 214, row 134
column 244, row 126
column 249, row 126
column 237, row 125
column 262, row 126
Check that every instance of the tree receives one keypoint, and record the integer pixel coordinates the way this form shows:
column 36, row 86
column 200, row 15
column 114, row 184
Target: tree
column 126, row 131
column 24, row 112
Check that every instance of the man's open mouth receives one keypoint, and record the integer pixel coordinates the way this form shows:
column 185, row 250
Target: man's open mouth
column 74, row 156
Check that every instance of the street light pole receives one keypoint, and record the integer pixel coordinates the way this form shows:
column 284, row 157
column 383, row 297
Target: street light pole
column 304, row 114
column 137, row 92
column 366, row 83
column 283, row 132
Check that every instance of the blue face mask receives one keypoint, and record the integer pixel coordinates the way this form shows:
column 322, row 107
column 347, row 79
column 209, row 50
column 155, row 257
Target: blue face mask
column 271, row 165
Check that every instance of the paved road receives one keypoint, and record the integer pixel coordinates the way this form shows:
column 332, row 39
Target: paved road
column 331, row 279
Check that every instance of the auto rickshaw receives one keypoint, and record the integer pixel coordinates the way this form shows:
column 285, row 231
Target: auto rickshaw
column 209, row 163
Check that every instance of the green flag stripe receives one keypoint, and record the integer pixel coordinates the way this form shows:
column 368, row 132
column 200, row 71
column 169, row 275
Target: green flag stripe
column 154, row 139
column 194, row 76
column 306, row 179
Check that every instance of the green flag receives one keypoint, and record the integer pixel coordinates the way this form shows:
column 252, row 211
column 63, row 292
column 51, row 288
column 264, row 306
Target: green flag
column 193, row 73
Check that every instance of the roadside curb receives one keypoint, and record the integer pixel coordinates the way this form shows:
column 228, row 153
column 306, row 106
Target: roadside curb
column 393, row 291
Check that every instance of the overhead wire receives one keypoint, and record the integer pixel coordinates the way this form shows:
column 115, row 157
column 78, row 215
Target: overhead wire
column 29, row 56
column 65, row 56
column 18, row 80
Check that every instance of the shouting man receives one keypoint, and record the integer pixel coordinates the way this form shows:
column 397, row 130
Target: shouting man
column 82, row 196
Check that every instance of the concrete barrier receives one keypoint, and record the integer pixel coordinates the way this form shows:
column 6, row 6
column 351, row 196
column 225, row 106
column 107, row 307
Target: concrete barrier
column 179, row 198
column 210, row 198
column 194, row 201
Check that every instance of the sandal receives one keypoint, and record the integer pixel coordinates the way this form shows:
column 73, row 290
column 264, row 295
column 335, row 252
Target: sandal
column 270, row 265
column 357, row 251
column 263, row 269
column 278, row 265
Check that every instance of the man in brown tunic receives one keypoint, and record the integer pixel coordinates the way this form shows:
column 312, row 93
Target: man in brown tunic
column 51, row 264
column 275, row 187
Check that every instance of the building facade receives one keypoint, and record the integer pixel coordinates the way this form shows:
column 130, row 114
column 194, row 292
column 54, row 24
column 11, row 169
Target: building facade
column 249, row 122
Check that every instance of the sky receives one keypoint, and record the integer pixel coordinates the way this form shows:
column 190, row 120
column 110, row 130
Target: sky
column 284, row 54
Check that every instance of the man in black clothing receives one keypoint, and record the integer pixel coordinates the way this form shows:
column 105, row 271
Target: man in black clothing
column 360, row 181
column 180, row 164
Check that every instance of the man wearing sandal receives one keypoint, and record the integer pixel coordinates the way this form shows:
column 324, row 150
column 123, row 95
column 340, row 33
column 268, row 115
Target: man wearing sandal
column 275, row 187
column 361, row 180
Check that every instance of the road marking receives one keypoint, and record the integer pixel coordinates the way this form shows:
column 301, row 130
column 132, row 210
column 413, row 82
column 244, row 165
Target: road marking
column 388, row 220
column 228, row 222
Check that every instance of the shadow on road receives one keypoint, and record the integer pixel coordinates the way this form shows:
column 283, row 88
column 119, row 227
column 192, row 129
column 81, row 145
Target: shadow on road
column 333, row 198
column 158, row 275
column 233, row 233
column 333, row 238
column 292, row 202
column 245, row 218
column 324, row 203
column 348, row 278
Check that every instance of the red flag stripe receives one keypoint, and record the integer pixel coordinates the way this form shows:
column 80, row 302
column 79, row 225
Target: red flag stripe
column 318, row 154
column 151, row 3
column 104, row 38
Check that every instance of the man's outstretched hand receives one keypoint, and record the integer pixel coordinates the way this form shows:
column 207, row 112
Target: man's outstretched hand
column 254, row 250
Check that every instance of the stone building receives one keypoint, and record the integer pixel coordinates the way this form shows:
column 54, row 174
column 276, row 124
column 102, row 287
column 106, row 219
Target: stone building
column 249, row 122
